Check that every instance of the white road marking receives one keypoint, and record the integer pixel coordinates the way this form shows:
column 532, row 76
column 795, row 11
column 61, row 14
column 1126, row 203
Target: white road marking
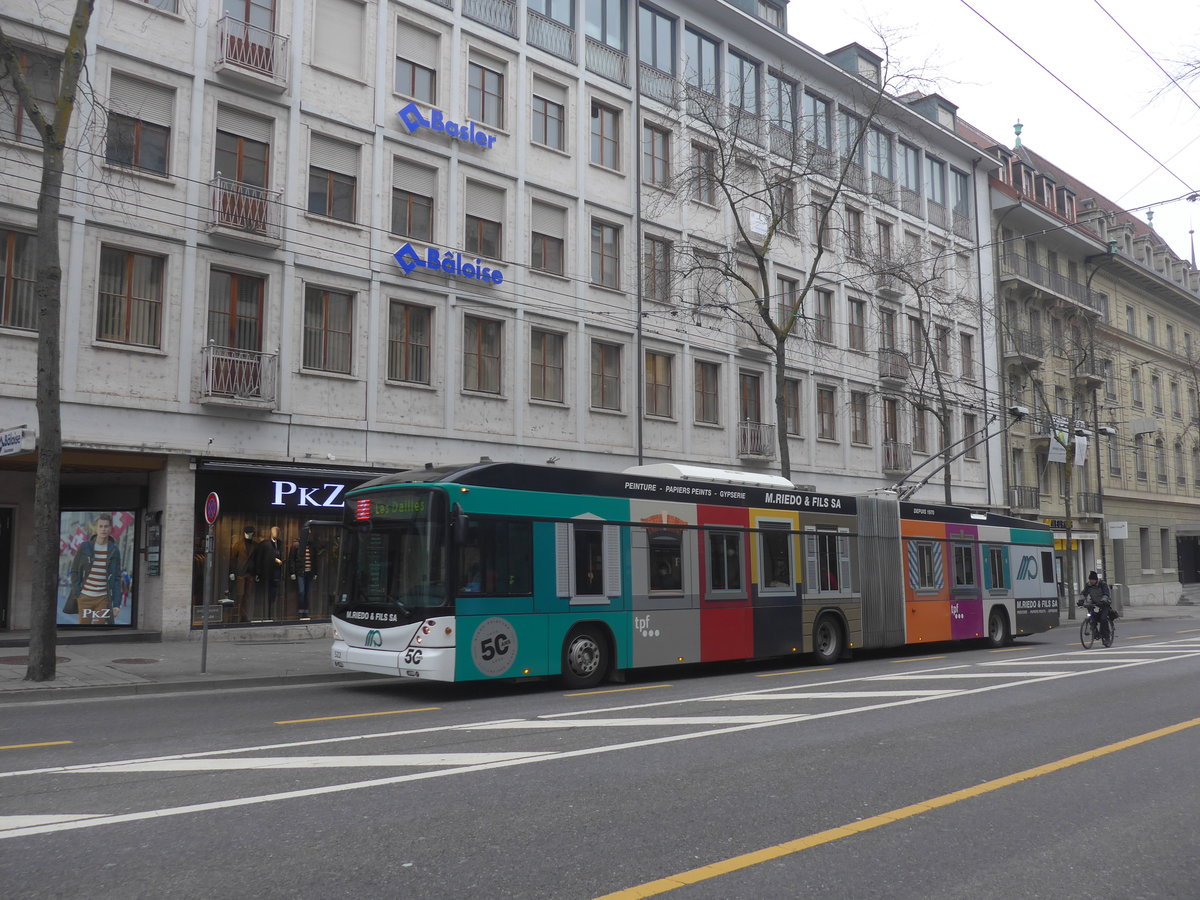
column 935, row 675
column 234, row 763
column 7, row 822
column 1092, row 659
column 834, row 695
column 645, row 720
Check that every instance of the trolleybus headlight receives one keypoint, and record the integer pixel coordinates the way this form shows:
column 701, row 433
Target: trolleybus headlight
column 337, row 635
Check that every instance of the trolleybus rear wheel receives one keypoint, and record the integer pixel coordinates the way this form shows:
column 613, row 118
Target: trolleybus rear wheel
column 827, row 640
column 585, row 657
column 999, row 634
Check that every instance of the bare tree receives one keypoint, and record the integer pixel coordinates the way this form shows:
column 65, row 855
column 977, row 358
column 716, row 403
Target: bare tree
column 52, row 125
column 932, row 389
column 771, row 178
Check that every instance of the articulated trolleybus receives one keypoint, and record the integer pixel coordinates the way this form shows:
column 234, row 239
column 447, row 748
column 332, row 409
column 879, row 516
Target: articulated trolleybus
column 504, row 570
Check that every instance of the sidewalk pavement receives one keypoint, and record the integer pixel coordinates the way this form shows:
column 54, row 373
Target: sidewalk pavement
column 122, row 664
column 127, row 663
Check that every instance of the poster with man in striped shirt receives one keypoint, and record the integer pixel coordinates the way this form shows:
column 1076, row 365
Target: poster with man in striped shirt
column 97, row 576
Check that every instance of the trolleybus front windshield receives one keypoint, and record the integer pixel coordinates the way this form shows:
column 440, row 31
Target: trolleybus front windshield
column 394, row 557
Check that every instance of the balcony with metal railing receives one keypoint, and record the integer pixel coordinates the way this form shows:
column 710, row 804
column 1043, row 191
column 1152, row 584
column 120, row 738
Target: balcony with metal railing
column 1025, row 346
column 1025, row 497
column 245, row 49
column 1086, row 370
column 549, row 35
column 938, row 215
column 245, row 377
column 657, row 84
column 608, row 61
column 756, row 440
column 498, row 14
column 893, row 364
column 897, row 457
column 1088, row 503
column 245, row 210
column 910, row 202
column 1017, row 265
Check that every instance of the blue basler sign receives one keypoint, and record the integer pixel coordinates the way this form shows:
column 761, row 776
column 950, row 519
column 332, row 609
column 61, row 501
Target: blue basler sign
column 447, row 262
column 414, row 120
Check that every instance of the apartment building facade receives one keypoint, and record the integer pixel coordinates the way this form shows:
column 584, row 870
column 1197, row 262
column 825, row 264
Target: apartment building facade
column 307, row 242
column 1100, row 323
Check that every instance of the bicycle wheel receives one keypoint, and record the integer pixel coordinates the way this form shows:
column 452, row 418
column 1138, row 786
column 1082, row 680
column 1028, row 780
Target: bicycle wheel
column 1087, row 636
column 1109, row 634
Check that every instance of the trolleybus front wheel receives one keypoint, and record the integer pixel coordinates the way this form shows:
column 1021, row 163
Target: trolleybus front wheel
column 585, row 659
column 827, row 640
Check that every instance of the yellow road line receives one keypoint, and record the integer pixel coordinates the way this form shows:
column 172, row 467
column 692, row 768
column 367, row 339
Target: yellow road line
column 645, row 687
column 792, row 672
column 43, row 744
column 1007, row 650
column 393, row 712
column 755, row 857
column 896, row 662
column 1188, row 631
column 1135, row 637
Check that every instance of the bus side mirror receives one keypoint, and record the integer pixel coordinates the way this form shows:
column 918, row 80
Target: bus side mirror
column 459, row 524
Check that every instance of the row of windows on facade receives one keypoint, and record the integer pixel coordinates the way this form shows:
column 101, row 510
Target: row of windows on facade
column 780, row 100
column 1114, row 451
column 131, row 296
column 130, row 309
column 1020, row 387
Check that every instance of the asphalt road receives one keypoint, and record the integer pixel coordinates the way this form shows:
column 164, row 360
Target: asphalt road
column 1042, row 770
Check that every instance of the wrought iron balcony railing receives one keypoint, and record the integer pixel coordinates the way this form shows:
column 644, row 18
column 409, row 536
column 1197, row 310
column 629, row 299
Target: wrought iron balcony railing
column 756, row 440
column 233, row 374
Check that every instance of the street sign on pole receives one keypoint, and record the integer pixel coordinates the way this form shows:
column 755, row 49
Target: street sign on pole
column 212, row 508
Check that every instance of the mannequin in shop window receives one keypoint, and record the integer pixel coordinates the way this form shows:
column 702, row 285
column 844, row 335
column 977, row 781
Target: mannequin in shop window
column 268, row 568
column 243, row 578
column 302, row 572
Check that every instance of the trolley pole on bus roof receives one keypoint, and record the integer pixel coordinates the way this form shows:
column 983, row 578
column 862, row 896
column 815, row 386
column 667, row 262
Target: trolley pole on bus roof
column 212, row 507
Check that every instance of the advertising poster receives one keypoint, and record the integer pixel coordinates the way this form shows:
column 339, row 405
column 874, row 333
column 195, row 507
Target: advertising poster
column 96, row 552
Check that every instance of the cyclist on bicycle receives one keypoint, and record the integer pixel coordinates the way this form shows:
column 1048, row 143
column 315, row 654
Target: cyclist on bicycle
column 1097, row 593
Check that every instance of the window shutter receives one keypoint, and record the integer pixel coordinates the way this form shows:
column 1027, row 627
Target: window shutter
column 844, row 580
column 810, row 563
column 243, row 124
column 416, row 45
column 562, row 558
column 141, row 100
column 547, row 220
column 335, row 156
column 485, row 202
column 555, row 93
column 412, row 177
column 612, row 561
column 337, row 36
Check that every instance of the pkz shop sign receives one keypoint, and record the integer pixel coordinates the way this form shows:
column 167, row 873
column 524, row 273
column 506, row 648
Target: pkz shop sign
column 470, row 133
column 288, row 494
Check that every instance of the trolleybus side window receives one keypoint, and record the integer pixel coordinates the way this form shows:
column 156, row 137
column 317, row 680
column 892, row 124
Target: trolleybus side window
column 827, row 562
column 724, row 561
column 964, row 565
column 666, row 562
column 775, row 554
column 496, row 558
column 925, row 565
column 997, row 568
column 1047, row 567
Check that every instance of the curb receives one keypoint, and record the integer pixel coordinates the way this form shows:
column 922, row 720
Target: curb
column 51, row 692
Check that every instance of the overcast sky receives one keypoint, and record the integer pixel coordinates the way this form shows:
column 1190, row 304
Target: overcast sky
column 995, row 84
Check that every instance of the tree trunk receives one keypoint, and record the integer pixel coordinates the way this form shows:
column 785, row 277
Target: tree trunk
column 43, row 634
